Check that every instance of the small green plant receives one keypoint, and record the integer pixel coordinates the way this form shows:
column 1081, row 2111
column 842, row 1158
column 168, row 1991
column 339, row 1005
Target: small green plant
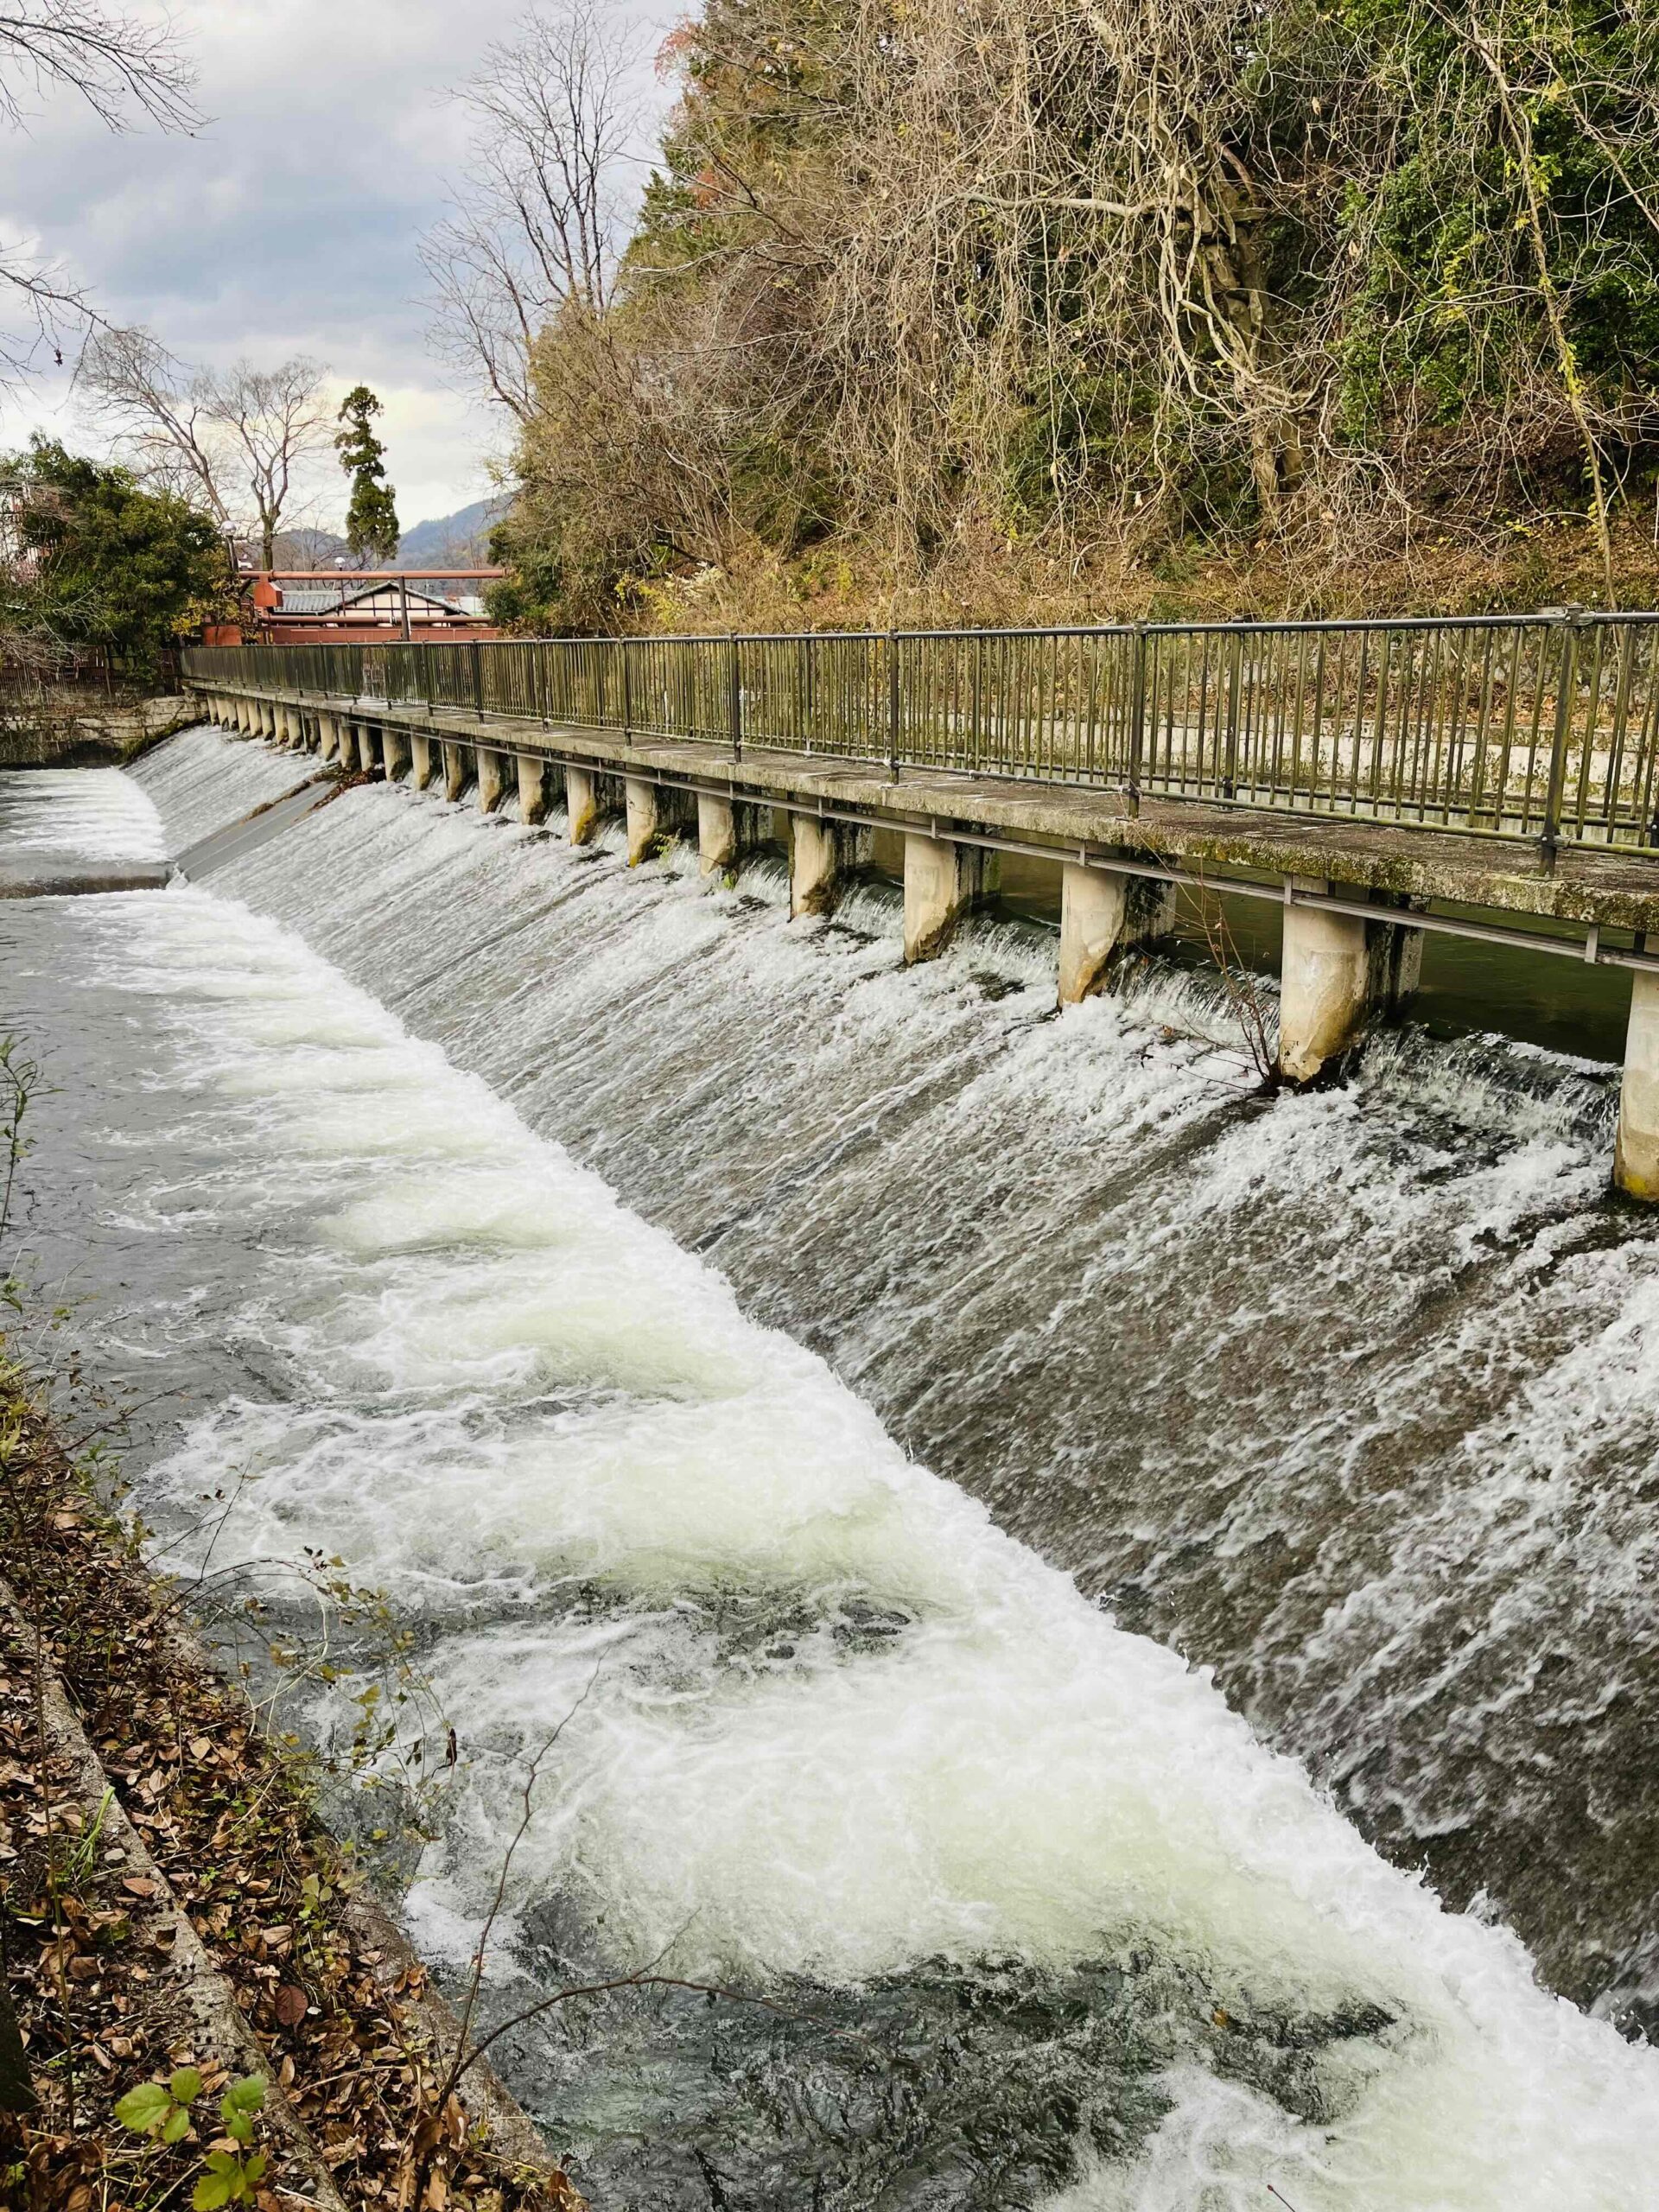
column 160, row 2110
column 231, row 2177
column 78, row 1863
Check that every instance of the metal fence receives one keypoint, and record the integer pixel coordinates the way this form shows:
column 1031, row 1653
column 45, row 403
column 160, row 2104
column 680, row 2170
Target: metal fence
column 1539, row 727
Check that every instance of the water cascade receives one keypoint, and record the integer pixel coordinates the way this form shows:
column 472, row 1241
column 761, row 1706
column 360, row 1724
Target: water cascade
column 831, row 1424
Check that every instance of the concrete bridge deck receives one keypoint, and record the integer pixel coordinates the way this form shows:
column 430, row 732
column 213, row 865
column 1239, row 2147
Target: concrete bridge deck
column 1357, row 896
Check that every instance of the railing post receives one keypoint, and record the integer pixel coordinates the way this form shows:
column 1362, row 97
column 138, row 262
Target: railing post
column 1137, row 715
column 1235, row 687
column 1566, row 677
column 893, row 706
column 734, row 697
column 627, row 692
column 477, row 679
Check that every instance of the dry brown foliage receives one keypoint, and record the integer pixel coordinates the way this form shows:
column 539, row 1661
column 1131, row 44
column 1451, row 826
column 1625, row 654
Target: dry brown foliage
column 1027, row 309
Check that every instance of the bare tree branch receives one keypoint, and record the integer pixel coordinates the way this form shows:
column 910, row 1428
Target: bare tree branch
column 123, row 67
column 539, row 206
column 234, row 439
column 128, row 71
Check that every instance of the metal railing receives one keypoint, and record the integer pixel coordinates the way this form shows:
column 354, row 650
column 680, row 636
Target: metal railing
column 1541, row 726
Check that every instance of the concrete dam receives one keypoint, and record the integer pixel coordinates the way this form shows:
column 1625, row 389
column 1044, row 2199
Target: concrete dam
column 1109, row 1611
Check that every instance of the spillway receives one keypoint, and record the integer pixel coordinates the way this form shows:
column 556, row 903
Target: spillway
column 1092, row 1603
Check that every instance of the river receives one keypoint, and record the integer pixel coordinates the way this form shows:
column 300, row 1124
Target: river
column 1115, row 1616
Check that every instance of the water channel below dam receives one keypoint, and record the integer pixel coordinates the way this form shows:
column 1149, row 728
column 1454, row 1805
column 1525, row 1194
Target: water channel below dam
column 1121, row 1609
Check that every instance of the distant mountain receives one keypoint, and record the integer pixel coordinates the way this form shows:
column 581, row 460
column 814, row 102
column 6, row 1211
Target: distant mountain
column 462, row 537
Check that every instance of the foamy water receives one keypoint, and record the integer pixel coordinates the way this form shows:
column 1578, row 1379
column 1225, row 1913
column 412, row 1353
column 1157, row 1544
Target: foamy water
column 96, row 814
column 203, row 779
column 827, row 1726
column 1230, row 1364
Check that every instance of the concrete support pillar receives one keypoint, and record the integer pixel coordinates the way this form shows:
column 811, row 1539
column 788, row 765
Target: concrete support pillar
column 818, row 863
column 582, row 799
column 1339, row 973
column 1636, row 1156
column 455, row 766
column 394, row 752
column 420, row 754
column 1104, row 915
column 244, row 711
column 492, row 778
column 346, row 744
column 267, row 719
column 533, row 788
column 942, row 880
column 650, row 821
column 720, row 836
column 328, row 728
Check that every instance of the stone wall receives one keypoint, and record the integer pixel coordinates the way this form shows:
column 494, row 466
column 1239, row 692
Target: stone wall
column 66, row 733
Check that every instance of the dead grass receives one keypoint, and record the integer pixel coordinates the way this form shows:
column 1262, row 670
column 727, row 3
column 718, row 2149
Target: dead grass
column 981, row 582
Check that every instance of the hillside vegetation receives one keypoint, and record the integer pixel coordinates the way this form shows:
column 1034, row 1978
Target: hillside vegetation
column 1007, row 309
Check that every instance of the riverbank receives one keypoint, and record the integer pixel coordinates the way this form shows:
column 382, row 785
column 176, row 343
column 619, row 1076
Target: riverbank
column 173, row 1912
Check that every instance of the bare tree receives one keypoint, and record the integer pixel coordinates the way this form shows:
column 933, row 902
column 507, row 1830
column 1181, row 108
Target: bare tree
column 539, row 206
column 236, row 439
column 127, row 71
column 116, row 61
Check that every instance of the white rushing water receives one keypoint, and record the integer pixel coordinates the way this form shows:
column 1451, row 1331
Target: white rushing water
column 554, row 1438
column 202, row 780
column 98, row 814
column 1254, row 1372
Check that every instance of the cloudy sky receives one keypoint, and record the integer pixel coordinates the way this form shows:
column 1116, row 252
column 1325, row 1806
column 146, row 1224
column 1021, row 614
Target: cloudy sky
column 288, row 224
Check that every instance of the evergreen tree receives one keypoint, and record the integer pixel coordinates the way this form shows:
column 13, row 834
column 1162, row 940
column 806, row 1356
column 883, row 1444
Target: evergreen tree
column 99, row 561
column 372, row 530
